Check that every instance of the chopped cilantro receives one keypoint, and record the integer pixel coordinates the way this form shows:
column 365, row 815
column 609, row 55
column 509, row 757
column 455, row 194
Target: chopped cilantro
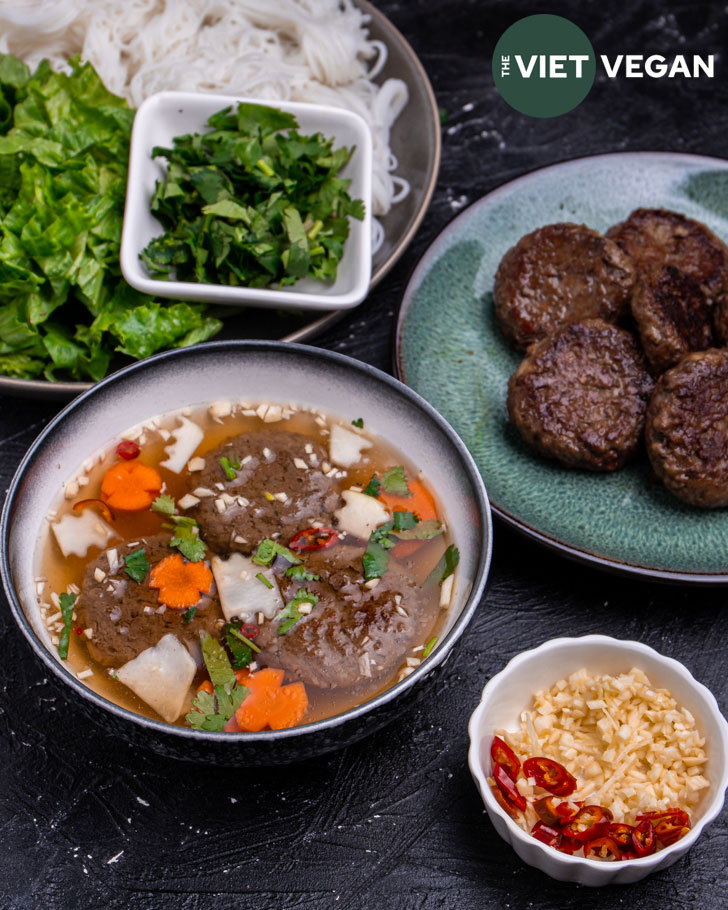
column 393, row 481
column 403, row 521
column 268, row 550
column 429, row 647
column 445, row 566
column 373, row 487
column 290, row 614
column 186, row 537
column 229, row 466
column 423, row 530
column 66, row 603
column 359, row 422
column 265, row 581
column 375, row 560
column 242, row 653
column 213, row 711
column 300, row 573
column 188, row 615
column 163, row 505
column 137, row 565
column 235, row 630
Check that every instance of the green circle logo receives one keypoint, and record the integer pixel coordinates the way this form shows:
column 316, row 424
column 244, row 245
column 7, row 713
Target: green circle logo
column 544, row 66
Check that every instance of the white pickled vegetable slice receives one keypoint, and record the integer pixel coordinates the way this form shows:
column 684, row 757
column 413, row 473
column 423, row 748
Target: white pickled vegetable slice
column 161, row 676
column 76, row 534
column 187, row 436
column 361, row 514
column 242, row 593
column 345, row 447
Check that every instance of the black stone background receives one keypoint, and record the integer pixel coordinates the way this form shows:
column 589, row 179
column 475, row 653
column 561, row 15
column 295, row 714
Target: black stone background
column 394, row 822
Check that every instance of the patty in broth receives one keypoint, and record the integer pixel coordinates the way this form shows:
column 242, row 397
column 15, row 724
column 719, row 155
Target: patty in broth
column 244, row 567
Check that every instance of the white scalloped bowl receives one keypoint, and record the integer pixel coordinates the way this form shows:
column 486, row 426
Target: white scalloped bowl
column 510, row 692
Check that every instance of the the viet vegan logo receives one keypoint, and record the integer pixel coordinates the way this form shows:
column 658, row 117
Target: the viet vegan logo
column 545, row 65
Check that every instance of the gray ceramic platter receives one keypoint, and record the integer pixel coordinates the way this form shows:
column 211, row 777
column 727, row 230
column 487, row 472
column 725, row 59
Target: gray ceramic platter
column 450, row 350
column 256, row 371
column 414, row 140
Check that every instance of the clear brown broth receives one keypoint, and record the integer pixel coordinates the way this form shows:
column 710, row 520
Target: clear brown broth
column 61, row 571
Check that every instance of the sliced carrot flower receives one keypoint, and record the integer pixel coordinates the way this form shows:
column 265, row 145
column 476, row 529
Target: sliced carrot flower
column 130, row 486
column 180, row 583
column 269, row 704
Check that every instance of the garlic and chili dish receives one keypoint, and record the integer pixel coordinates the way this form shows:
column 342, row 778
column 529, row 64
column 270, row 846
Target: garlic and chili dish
column 245, row 565
column 567, row 823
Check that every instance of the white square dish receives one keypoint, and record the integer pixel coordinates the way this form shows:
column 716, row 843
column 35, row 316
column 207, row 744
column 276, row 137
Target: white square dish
column 168, row 114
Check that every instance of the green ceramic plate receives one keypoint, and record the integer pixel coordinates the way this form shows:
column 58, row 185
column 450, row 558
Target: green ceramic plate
column 449, row 349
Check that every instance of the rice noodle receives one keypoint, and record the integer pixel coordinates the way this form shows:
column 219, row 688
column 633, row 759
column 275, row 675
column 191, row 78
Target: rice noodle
column 317, row 51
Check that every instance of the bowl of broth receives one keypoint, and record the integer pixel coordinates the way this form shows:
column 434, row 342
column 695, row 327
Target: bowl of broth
column 245, row 551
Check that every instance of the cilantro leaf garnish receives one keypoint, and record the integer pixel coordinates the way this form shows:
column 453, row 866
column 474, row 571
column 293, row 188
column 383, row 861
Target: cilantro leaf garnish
column 375, row 559
column 66, row 604
column 234, row 629
column 422, row 530
column 164, row 505
column 373, row 487
column 229, row 467
column 403, row 526
column 268, row 550
column 393, row 481
column 186, row 537
column 403, row 521
column 188, row 615
column 242, row 653
column 359, row 422
column 445, row 566
column 213, row 711
column 290, row 614
column 300, row 573
column 137, row 565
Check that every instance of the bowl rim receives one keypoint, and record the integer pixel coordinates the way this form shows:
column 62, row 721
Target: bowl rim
column 437, row 657
column 476, row 768
column 135, row 203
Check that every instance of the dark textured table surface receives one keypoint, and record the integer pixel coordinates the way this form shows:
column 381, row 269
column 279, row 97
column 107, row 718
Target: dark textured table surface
column 394, row 821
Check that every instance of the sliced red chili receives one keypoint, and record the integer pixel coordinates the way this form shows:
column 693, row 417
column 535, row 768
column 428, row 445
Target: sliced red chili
column 127, row 450
column 79, row 630
column 250, row 630
column 668, row 831
column 550, row 775
column 569, row 845
column 643, row 838
column 547, row 834
column 621, row 834
column 589, row 823
column 604, row 848
column 313, row 539
column 507, row 807
column 628, row 854
column 508, row 787
column 677, row 816
column 502, row 754
column 554, row 811
column 97, row 503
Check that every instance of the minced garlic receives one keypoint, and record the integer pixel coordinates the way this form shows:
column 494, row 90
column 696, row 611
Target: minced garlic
column 630, row 746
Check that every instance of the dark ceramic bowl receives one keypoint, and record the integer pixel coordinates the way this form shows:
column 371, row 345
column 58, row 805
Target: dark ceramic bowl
column 256, row 370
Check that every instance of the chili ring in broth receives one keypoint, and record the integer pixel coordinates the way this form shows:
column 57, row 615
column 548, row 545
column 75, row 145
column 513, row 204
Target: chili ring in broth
column 245, row 566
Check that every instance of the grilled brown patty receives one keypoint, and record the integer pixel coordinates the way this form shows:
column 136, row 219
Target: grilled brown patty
column 580, row 396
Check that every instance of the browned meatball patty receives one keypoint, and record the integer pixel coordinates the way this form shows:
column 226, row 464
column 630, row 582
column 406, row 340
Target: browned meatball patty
column 687, row 429
column 557, row 274
column 657, row 237
column 673, row 316
column 235, row 515
column 353, row 631
column 125, row 620
column 580, row 396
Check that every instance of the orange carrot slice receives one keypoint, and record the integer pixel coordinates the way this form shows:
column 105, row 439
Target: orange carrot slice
column 180, row 583
column 269, row 704
column 130, row 486
column 420, row 502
